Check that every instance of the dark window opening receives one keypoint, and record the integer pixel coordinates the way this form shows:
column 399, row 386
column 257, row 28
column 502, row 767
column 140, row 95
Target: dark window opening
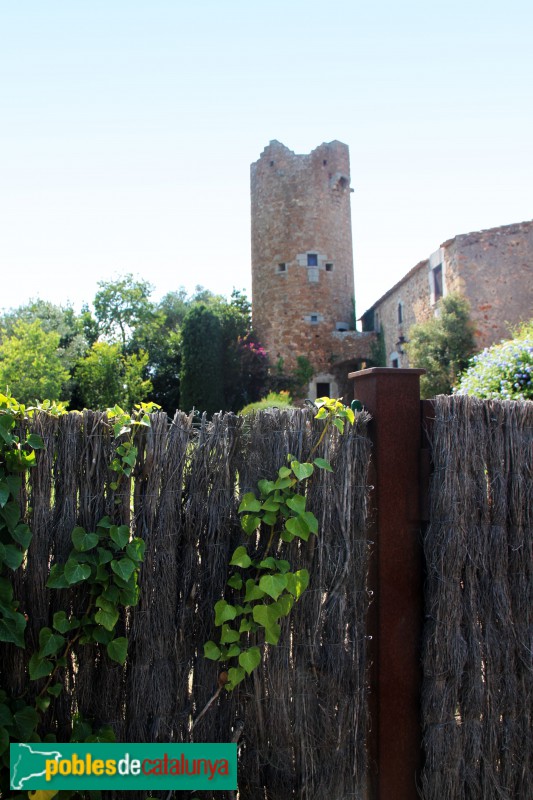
column 437, row 282
column 271, row 163
column 324, row 162
column 400, row 313
column 282, row 267
column 314, row 317
column 312, row 260
column 322, row 389
column 395, row 363
column 329, row 267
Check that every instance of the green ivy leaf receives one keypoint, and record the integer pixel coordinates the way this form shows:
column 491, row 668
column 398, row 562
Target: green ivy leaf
column 228, row 635
column 120, row 535
column 240, row 558
column 249, row 503
column 117, row 650
column 84, row 541
column 55, row 690
column 265, row 487
column 108, row 614
column 297, row 582
column 49, row 643
column 250, row 659
column 321, row 463
column 12, row 556
column 284, row 472
column 235, row 676
column 249, row 523
column 104, row 555
column 273, row 585
column 296, row 503
column 39, row 667
column 104, row 523
column 253, row 592
column 75, row 572
column 4, row 493
column 56, row 579
column 339, row 424
column 123, row 568
column 267, row 563
column 310, row 520
column 235, row 582
column 211, row 651
column 284, row 604
column 102, row 635
column 135, row 549
column 272, row 633
column 298, row 527
column 26, row 720
column 224, row 612
column 22, row 535
column 302, row 471
column 12, row 628
column 245, row 626
column 284, row 483
column 35, row 441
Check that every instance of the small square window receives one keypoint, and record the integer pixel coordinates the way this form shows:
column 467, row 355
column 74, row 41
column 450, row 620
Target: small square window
column 395, row 364
column 314, row 317
column 329, row 267
column 282, row 267
column 312, row 260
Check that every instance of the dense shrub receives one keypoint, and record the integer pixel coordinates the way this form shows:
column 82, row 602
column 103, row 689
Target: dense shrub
column 272, row 400
column 503, row 370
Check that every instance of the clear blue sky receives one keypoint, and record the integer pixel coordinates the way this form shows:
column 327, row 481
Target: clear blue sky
column 127, row 130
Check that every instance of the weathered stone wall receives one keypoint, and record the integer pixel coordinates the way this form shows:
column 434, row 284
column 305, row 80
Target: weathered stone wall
column 301, row 209
column 493, row 269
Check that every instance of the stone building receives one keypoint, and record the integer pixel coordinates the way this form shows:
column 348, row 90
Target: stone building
column 493, row 269
column 302, row 264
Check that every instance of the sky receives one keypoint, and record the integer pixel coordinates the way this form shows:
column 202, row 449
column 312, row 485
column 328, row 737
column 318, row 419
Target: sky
column 127, row 130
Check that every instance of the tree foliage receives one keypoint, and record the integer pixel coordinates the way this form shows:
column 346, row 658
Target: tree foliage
column 108, row 377
column 503, row 370
column 30, row 364
column 121, row 305
column 128, row 349
column 442, row 346
column 202, row 374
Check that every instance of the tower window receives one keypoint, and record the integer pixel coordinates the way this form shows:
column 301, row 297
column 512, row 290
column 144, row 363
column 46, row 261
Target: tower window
column 282, row 267
column 329, row 267
column 314, row 317
column 437, row 282
column 271, row 163
column 400, row 313
column 325, row 162
column 312, row 260
column 322, row 389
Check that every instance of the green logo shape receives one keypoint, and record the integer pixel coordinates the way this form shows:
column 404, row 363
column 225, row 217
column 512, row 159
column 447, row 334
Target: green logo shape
column 104, row 766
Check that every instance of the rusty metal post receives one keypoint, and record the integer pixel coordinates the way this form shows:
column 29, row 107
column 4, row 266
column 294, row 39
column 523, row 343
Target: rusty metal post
column 392, row 396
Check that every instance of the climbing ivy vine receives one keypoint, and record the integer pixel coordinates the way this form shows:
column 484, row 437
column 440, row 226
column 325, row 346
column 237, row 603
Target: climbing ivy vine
column 105, row 560
column 263, row 590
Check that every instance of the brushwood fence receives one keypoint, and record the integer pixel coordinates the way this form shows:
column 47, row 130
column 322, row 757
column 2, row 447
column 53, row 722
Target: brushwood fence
column 405, row 670
column 302, row 717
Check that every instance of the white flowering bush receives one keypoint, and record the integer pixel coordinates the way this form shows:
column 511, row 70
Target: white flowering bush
column 502, row 371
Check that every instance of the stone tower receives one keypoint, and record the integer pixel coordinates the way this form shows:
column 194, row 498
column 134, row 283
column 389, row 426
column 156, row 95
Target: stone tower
column 302, row 263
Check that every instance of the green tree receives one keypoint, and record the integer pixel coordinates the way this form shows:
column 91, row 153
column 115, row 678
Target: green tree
column 122, row 305
column 504, row 370
column 202, row 375
column 30, row 363
column 108, row 377
column 442, row 346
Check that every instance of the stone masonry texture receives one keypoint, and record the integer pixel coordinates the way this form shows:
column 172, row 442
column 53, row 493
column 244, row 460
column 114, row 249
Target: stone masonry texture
column 302, row 259
column 492, row 268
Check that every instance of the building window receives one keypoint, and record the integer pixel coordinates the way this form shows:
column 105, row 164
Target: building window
column 394, row 363
column 322, row 390
column 400, row 313
column 436, row 273
column 282, row 267
column 312, row 260
column 314, row 318
column 329, row 267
